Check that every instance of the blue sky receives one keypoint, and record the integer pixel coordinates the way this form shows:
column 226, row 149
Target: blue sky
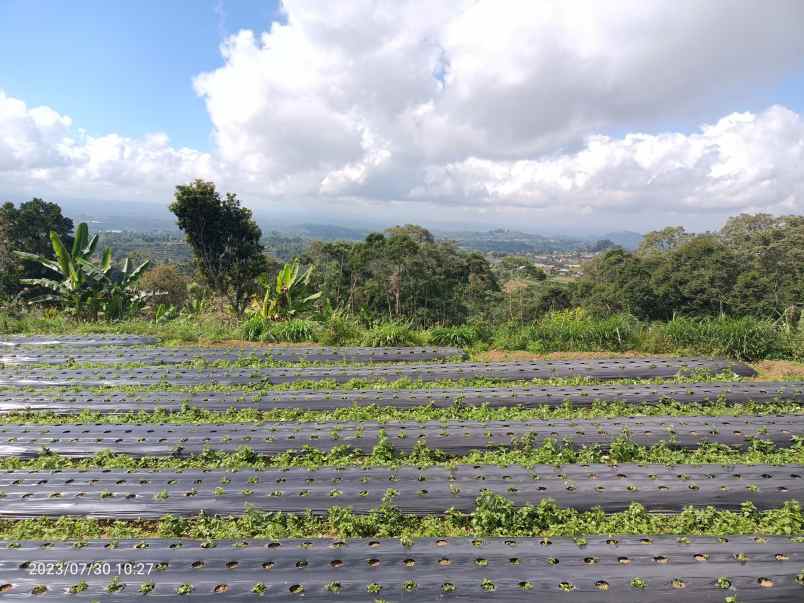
column 122, row 66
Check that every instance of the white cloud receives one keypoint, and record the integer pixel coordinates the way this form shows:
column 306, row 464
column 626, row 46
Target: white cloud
column 501, row 109
column 41, row 154
column 744, row 162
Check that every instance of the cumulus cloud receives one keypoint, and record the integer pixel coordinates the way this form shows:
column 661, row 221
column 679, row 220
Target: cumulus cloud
column 40, row 153
column 497, row 109
column 744, row 162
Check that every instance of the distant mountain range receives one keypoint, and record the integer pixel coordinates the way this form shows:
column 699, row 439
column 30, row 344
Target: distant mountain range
column 131, row 217
column 512, row 241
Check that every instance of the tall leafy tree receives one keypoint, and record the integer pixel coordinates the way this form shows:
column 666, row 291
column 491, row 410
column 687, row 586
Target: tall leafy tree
column 27, row 228
column 771, row 248
column 224, row 238
column 663, row 241
column 697, row 277
column 618, row 281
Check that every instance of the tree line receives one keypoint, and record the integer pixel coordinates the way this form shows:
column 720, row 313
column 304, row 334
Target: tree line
column 753, row 266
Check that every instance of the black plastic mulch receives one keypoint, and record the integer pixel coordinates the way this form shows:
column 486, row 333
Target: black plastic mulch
column 528, row 397
column 125, row 495
column 118, row 355
column 636, row 368
column 453, row 437
column 12, row 341
column 628, row 568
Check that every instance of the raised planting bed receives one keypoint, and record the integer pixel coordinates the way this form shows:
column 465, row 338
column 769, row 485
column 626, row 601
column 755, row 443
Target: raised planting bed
column 637, row 368
column 121, row 494
column 12, row 341
column 453, row 437
column 631, row 568
column 528, row 397
column 117, row 355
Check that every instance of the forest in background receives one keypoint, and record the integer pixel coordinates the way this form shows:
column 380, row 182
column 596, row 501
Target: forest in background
column 743, row 283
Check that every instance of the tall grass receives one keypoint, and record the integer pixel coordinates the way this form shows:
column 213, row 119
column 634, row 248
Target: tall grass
column 392, row 334
column 462, row 336
column 295, row 330
column 742, row 338
column 205, row 327
column 340, row 329
column 572, row 331
column 512, row 336
column 575, row 330
column 745, row 338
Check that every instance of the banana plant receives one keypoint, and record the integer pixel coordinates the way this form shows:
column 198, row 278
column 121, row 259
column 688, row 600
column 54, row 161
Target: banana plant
column 76, row 289
column 84, row 288
column 288, row 298
column 121, row 298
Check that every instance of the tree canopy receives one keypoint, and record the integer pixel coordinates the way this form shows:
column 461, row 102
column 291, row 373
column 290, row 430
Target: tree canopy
column 27, row 228
column 753, row 266
column 224, row 238
column 402, row 274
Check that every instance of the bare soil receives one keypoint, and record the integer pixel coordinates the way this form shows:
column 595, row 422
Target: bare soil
column 776, row 370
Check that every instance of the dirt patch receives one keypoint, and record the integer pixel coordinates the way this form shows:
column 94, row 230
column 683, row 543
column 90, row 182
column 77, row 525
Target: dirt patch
column 504, row 355
column 776, row 370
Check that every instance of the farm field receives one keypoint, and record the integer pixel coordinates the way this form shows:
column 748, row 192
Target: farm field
column 357, row 302
column 386, row 474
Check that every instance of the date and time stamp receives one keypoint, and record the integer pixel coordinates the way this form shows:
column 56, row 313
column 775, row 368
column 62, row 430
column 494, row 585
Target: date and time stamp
column 93, row 568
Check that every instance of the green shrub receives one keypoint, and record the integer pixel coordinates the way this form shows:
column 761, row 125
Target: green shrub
column 571, row 331
column 512, row 336
column 577, row 331
column 340, row 330
column 460, row 337
column 794, row 346
column 253, row 328
column 391, row 334
column 743, row 338
column 296, row 330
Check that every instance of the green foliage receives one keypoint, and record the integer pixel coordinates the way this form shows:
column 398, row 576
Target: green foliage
column 518, row 267
column 224, row 238
column 391, row 334
column 27, row 228
column 744, row 338
column 522, row 451
column 403, row 275
column 571, row 330
column 463, row 336
column 164, row 313
column 84, row 288
column 512, row 336
column 256, row 328
column 340, row 329
column 753, row 266
column 663, row 241
column 576, row 330
column 290, row 297
column 493, row 516
column 617, row 281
